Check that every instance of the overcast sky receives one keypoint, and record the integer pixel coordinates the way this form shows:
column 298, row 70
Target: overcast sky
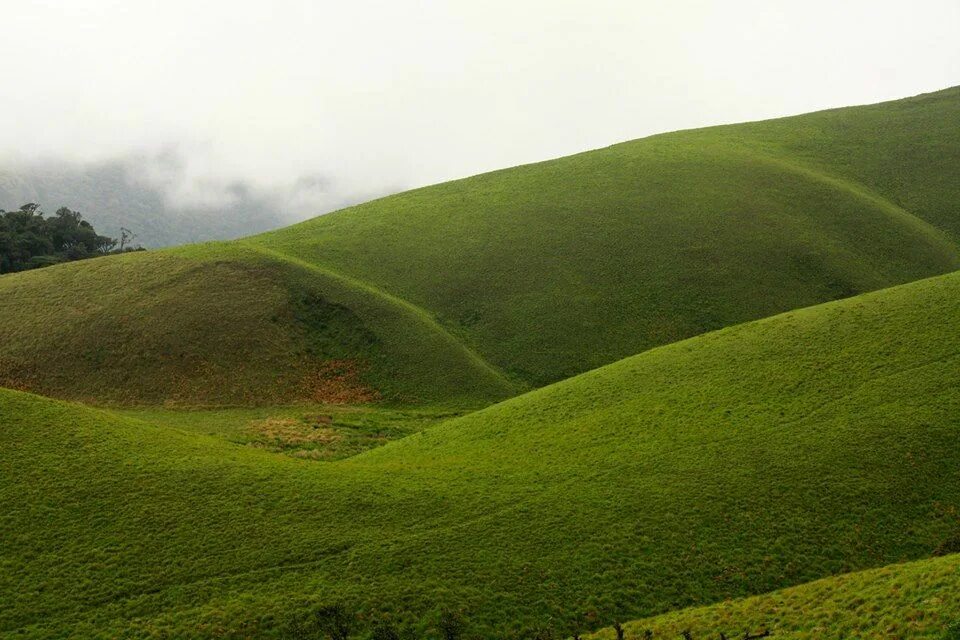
column 374, row 95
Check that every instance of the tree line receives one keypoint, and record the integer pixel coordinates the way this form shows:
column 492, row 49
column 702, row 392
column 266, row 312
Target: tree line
column 29, row 240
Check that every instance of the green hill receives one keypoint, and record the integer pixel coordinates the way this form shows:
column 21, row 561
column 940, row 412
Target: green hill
column 554, row 268
column 758, row 457
column 912, row 600
column 226, row 324
column 470, row 291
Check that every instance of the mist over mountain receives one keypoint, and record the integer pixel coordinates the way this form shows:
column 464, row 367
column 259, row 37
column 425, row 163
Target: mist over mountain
column 164, row 202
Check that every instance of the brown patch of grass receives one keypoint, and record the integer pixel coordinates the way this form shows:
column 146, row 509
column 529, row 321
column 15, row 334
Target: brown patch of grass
column 293, row 432
column 338, row 382
column 15, row 375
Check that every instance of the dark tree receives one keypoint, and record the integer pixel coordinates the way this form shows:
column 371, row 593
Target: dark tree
column 28, row 240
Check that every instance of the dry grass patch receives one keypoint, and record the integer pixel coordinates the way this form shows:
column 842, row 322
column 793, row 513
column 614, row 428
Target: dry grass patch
column 291, row 431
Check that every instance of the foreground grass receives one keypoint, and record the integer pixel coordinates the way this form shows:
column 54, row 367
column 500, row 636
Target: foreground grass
column 468, row 292
column 913, row 600
column 767, row 455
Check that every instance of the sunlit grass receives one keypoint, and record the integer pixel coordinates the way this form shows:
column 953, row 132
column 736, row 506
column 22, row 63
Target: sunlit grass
column 758, row 457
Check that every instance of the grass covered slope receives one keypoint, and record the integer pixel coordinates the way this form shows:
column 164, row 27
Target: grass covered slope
column 554, row 268
column 481, row 287
column 762, row 456
column 911, row 600
column 225, row 324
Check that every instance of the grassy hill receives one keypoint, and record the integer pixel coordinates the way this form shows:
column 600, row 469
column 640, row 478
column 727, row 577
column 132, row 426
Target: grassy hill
column 469, row 291
column 758, row 457
column 554, row 268
column 226, row 324
column 912, row 600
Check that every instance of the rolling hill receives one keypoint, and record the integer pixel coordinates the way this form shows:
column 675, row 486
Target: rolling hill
column 226, row 324
column 470, row 291
column 746, row 460
column 912, row 600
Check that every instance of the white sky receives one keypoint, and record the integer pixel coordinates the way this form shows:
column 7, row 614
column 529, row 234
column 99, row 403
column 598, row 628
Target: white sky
column 405, row 93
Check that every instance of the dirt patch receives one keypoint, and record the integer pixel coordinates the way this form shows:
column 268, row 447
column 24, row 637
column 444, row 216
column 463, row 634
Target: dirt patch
column 338, row 382
column 292, row 432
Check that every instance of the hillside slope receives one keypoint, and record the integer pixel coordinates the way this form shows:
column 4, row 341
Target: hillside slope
column 912, row 600
column 761, row 456
column 530, row 274
column 554, row 268
column 226, row 324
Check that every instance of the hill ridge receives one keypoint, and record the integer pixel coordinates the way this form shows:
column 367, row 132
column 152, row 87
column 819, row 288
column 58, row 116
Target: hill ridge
column 894, row 601
column 418, row 312
column 863, row 191
column 516, row 278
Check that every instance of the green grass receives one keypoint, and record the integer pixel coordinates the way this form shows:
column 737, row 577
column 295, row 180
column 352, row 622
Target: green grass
column 558, row 267
column 766, row 455
column 223, row 324
column 912, row 600
column 471, row 291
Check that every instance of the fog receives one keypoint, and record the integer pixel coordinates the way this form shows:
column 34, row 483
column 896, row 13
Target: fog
column 319, row 103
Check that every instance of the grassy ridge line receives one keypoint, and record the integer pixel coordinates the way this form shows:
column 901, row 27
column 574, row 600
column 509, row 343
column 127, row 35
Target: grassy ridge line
column 420, row 314
column 937, row 236
column 762, row 456
column 558, row 267
column 911, row 600
column 514, row 279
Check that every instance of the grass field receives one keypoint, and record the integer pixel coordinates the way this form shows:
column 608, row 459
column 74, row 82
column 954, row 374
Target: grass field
column 765, row 455
column 468, row 292
column 913, row 600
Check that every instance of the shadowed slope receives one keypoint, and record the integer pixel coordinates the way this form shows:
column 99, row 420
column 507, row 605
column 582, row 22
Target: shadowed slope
column 761, row 456
column 225, row 324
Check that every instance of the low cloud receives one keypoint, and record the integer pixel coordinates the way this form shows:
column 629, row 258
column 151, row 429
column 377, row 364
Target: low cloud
column 171, row 196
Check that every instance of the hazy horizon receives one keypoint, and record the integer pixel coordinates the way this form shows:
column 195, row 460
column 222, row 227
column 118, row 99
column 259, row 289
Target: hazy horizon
column 318, row 104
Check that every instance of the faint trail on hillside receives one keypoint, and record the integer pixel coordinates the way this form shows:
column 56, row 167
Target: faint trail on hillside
column 861, row 192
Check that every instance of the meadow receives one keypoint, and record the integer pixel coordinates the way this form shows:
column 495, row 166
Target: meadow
column 660, row 482
column 703, row 382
